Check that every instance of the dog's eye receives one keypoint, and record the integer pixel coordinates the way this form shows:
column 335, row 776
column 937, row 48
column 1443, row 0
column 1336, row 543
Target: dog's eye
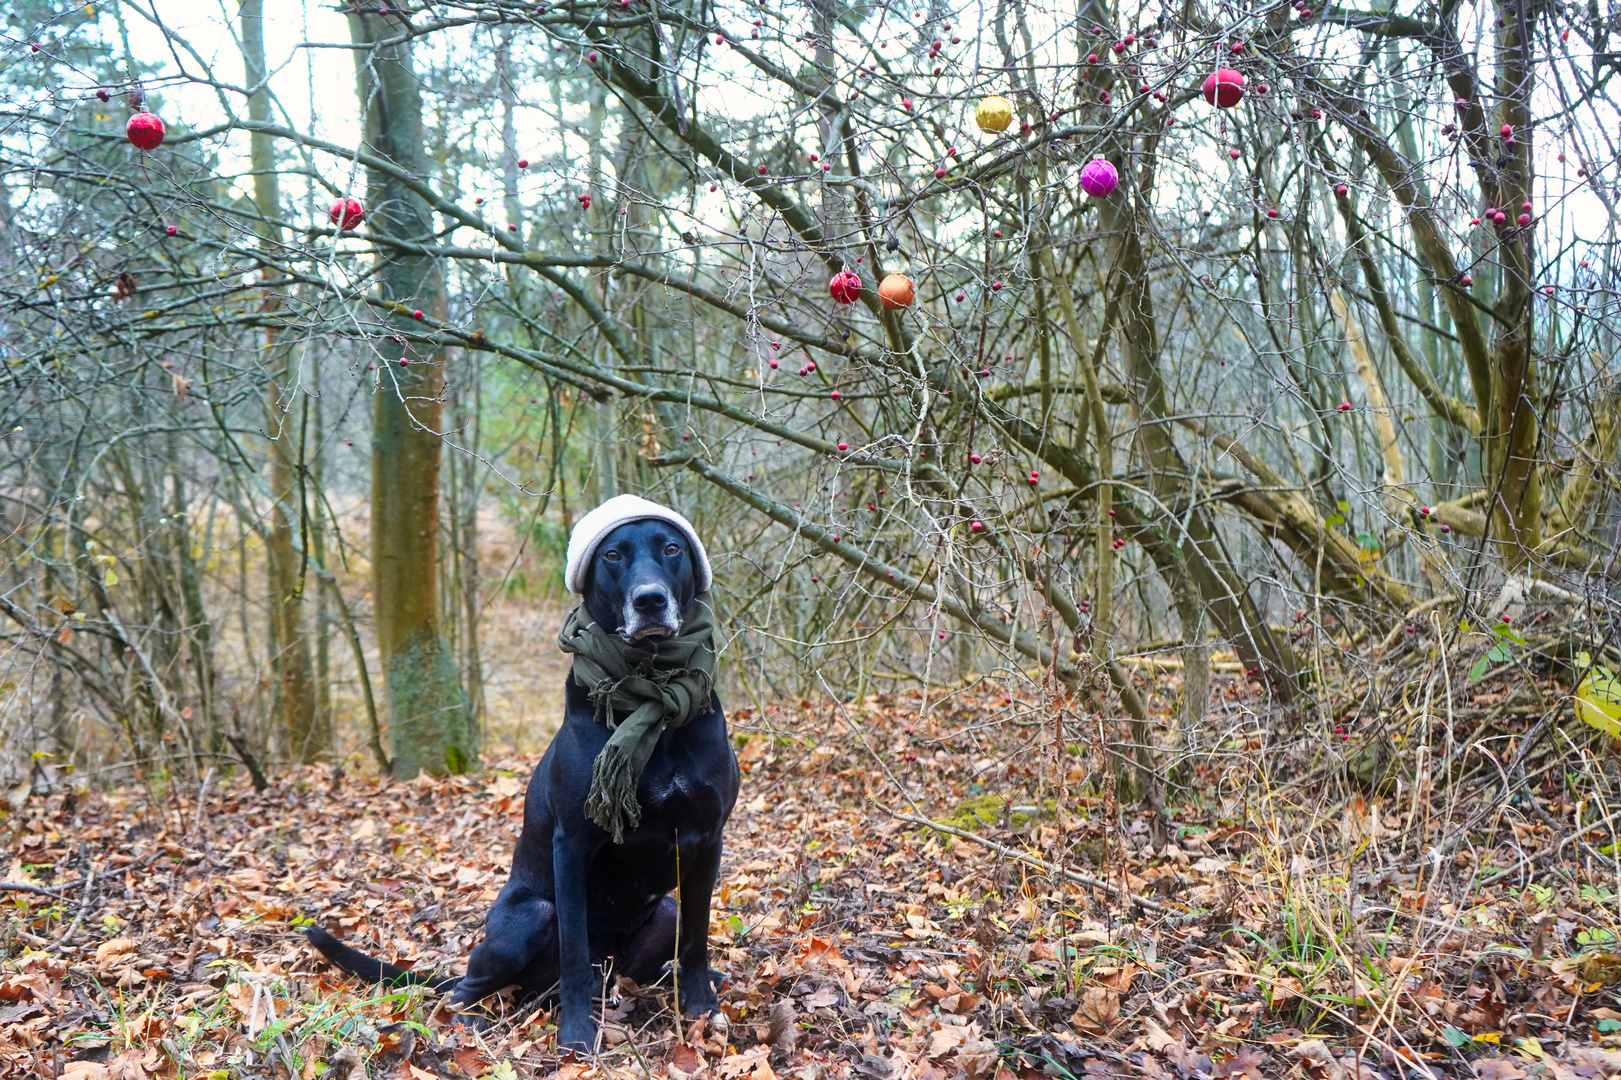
column 611, row 555
column 671, row 549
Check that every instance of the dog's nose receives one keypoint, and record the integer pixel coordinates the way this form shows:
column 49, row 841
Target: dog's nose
column 650, row 600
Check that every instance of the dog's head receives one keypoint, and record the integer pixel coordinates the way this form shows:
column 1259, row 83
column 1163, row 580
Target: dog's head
column 641, row 580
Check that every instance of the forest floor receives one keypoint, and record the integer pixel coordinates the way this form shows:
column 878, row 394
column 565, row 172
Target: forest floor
column 1262, row 929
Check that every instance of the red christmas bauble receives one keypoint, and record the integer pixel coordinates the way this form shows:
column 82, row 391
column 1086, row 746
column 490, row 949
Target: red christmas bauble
column 1224, row 88
column 347, row 214
column 144, row 131
column 845, row 287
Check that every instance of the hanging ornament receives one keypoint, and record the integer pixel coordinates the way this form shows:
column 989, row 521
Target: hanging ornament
column 845, row 287
column 995, row 113
column 896, row 291
column 1224, row 88
column 347, row 214
column 1099, row 178
column 144, row 131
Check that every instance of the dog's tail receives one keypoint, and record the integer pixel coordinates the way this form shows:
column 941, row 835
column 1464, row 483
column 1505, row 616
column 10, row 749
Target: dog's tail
column 354, row 962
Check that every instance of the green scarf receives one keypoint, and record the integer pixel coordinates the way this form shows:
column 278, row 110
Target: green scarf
column 662, row 684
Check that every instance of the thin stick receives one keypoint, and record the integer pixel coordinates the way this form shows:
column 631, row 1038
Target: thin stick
column 1045, row 867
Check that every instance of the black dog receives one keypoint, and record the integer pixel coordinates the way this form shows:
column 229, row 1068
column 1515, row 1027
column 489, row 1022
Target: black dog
column 574, row 897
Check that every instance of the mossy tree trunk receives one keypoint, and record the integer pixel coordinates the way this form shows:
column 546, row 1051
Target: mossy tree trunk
column 427, row 714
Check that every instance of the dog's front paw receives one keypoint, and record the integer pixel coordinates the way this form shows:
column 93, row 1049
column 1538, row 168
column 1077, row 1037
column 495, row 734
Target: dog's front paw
column 698, row 992
column 578, row 1036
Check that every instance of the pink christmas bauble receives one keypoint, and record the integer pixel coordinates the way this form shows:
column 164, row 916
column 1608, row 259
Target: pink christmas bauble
column 1099, row 178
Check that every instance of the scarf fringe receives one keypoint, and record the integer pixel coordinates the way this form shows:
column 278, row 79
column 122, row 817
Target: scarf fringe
column 612, row 802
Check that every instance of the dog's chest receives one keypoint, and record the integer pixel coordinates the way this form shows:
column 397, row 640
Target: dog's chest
column 675, row 799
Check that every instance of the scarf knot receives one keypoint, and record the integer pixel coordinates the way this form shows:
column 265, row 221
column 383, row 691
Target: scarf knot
column 662, row 685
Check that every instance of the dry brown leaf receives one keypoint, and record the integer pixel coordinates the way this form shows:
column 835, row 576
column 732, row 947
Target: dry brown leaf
column 752, row 1064
column 684, row 1062
column 1098, row 1011
column 83, row 1070
column 109, row 951
column 784, row 1030
column 946, row 1038
column 1158, row 1038
column 1315, row 1055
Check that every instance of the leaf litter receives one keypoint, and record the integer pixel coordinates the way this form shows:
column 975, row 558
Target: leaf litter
column 1391, row 931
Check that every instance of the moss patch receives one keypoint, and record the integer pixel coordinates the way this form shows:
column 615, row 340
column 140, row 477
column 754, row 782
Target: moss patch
column 980, row 811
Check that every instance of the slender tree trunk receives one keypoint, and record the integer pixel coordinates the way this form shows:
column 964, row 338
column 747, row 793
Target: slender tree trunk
column 316, row 524
column 198, row 633
column 427, row 717
column 465, row 532
column 1512, row 433
column 1220, row 583
column 297, row 721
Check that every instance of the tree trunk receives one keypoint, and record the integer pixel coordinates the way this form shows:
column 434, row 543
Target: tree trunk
column 1220, row 583
column 1512, row 434
column 296, row 720
column 427, row 717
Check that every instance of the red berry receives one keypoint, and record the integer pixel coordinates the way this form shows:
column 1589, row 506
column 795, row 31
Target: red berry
column 417, row 314
column 844, row 446
column 171, row 230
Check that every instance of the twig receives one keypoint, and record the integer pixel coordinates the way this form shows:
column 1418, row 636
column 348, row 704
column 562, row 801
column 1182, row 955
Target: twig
column 326, row 578
column 242, row 751
column 1045, row 867
column 202, row 799
column 39, row 890
column 84, row 907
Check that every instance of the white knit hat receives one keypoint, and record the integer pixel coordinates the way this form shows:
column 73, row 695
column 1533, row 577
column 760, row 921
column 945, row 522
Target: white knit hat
column 590, row 530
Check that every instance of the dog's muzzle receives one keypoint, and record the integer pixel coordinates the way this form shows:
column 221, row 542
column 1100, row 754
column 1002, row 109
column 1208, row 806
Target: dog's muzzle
column 650, row 612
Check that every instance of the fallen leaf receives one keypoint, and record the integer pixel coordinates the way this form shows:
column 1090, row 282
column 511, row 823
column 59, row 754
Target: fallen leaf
column 1098, row 1011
